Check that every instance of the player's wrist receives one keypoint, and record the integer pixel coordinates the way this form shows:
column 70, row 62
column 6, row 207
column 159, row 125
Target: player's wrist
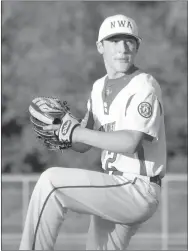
column 76, row 134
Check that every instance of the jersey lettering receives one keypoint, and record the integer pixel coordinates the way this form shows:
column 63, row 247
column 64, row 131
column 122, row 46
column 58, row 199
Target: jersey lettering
column 110, row 127
column 110, row 160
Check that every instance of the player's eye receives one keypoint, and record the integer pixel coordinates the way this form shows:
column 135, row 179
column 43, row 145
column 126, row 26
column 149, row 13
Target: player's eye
column 114, row 41
column 130, row 42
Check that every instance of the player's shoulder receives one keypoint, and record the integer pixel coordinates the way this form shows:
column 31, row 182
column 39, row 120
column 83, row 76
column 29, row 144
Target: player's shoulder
column 147, row 82
column 99, row 82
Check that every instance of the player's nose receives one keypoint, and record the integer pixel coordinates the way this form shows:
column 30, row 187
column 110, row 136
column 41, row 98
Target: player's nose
column 122, row 46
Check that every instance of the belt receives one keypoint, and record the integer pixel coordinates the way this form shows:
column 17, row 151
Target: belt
column 155, row 179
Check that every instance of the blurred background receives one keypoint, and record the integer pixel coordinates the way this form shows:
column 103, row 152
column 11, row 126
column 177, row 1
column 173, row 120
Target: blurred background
column 48, row 48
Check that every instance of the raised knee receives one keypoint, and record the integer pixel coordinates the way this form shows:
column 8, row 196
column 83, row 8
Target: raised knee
column 47, row 175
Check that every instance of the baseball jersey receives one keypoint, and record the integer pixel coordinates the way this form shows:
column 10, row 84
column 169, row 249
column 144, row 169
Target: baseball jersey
column 132, row 102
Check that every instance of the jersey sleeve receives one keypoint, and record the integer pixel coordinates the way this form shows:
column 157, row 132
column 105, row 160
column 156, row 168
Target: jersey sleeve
column 143, row 113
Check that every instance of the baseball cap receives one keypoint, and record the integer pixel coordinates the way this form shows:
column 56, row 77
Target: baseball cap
column 118, row 24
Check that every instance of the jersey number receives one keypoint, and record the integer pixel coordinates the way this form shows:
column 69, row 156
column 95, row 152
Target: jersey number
column 110, row 160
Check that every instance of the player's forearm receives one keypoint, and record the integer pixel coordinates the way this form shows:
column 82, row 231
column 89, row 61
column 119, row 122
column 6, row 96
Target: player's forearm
column 118, row 141
column 80, row 147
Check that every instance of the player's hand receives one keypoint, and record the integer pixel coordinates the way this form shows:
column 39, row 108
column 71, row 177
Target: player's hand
column 54, row 128
column 52, row 122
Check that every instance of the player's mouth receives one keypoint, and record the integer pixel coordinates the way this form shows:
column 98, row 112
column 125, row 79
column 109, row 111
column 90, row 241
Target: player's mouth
column 125, row 59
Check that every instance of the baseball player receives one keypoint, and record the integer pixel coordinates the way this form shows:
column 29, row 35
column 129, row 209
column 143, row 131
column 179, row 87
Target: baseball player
column 125, row 119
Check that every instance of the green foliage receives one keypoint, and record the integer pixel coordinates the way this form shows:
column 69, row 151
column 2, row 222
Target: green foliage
column 48, row 48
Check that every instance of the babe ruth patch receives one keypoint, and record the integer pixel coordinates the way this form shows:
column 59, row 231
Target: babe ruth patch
column 145, row 109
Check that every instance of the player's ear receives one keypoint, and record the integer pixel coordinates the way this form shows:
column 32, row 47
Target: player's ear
column 100, row 47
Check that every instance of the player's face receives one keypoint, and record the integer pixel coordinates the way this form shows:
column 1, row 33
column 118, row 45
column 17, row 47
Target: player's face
column 119, row 53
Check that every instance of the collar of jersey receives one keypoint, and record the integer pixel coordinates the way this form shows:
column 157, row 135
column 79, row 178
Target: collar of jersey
column 109, row 82
column 116, row 85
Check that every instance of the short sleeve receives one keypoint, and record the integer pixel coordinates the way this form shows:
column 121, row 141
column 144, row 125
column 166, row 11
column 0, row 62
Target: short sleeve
column 143, row 114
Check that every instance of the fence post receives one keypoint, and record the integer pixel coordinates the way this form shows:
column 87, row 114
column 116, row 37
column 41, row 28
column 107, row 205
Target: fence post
column 25, row 200
column 164, row 214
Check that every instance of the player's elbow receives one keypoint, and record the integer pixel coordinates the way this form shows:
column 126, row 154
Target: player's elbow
column 131, row 149
column 133, row 142
column 80, row 147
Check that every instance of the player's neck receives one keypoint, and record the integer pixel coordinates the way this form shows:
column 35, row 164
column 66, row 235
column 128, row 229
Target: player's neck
column 114, row 75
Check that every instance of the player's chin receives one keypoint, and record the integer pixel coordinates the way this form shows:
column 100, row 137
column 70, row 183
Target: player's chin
column 122, row 67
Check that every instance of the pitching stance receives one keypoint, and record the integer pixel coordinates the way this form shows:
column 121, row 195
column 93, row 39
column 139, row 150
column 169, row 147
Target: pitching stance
column 125, row 119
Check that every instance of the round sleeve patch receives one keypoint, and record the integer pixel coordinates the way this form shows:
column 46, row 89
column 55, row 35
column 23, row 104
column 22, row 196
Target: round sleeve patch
column 145, row 109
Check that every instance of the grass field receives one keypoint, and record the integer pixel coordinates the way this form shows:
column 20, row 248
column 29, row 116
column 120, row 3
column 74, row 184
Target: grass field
column 77, row 242
column 73, row 232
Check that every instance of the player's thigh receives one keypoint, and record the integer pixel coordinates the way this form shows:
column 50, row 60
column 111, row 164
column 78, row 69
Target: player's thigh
column 73, row 177
column 116, row 200
column 81, row 190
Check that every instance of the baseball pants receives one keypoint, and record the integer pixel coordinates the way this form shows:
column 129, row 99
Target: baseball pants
column 118, row 206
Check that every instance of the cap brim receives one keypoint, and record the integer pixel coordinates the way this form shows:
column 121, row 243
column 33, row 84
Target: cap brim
column 120, row 33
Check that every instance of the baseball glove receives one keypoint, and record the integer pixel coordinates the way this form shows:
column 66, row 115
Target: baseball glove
column 46, row 111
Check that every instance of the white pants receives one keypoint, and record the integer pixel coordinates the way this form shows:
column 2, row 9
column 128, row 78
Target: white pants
column 118, row 206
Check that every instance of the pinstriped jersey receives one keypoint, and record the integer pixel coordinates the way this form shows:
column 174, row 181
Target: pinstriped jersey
column 133, row 102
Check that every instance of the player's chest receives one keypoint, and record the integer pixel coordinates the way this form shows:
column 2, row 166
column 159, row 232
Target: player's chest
column 111, row 102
